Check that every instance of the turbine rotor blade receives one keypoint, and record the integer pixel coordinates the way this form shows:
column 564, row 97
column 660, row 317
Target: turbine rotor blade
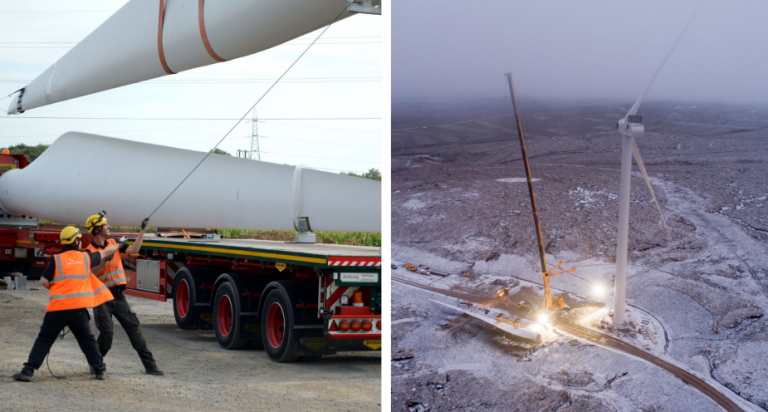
column 639, row 160
column 636, row 106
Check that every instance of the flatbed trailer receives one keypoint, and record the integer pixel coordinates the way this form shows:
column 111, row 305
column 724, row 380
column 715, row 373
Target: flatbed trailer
column 296, row 300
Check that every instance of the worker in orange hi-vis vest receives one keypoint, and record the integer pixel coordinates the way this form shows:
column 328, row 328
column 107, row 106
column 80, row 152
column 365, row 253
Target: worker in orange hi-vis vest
column 73, row 289
column 112, row 274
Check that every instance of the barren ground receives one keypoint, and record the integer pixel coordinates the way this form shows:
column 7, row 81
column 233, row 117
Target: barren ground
column 200, row 376
column 459, row 205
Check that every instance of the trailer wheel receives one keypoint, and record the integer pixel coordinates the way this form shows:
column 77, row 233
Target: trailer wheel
column 184, row 301
column 226, row 319
column 277, row 327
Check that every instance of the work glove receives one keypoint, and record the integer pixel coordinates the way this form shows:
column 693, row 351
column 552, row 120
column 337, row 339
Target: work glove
column 122, row 242
column 144, row 223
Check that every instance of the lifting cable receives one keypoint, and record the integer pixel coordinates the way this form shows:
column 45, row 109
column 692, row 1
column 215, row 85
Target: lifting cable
column 249, row 111
column 61, row 336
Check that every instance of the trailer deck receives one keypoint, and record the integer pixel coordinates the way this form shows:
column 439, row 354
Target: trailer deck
column 305, row 254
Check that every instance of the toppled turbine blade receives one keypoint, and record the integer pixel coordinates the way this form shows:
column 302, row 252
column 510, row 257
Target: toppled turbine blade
column 521, row 333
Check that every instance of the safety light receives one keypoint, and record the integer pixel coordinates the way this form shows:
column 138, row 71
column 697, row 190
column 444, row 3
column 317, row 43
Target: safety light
column 542, row 318
column 356, row 325
column 598, row 290
column 378, row 325
column 344, row 300
column 357, row 298
column 367, row 325
column 344, row 326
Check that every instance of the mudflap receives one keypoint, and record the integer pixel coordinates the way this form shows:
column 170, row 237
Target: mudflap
column 362, row 345
column 312, row 342
column 204, row 316
column 250, row 328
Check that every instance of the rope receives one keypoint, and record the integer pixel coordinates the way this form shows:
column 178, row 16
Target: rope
column 61, row 337
column 249, row 111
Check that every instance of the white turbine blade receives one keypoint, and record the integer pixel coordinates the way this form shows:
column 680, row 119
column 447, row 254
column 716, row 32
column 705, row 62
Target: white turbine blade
column 526, row 334
column 636, row 106
column 639, row 161
column 147, row 39
column 239, row 193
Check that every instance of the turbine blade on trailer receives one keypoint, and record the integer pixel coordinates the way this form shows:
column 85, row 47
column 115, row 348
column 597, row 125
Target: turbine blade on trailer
column 225, row 192
column 639, row 161
column 522, row 333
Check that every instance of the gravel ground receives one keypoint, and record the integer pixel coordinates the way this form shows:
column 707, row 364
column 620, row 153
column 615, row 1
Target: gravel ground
column 199, row 374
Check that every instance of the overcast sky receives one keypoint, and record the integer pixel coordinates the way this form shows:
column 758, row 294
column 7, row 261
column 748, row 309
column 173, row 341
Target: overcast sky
column 587, row 49
column 344, row 82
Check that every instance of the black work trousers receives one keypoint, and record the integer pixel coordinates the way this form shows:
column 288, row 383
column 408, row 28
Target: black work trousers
column 53, row 324
column 119, row 308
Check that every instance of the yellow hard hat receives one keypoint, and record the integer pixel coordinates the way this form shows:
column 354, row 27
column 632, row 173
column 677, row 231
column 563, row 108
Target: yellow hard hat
column 69, row 234
column 95, row 221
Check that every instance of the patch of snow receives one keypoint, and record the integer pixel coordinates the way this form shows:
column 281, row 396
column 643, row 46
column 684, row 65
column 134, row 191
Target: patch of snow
column 516, row 180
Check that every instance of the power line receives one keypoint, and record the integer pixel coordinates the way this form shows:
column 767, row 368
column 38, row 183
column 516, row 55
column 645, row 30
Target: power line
column 74, row 42
column 315, row 141
column 325, row 158
column 239, row 81
column 116, row 131
column 57, row 11
column 185, row 119
column 284, row 44
column 378, row 132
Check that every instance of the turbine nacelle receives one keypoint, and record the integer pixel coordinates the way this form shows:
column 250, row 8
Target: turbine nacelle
column 631, row 125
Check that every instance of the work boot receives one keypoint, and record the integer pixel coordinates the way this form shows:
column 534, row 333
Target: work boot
column 154, row 371
column 100, row 376
column 93, row 371
column 22, row 376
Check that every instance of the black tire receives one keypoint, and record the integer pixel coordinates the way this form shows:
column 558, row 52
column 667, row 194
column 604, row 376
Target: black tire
column 226, row 318
column 278, row 339
column 184, row 300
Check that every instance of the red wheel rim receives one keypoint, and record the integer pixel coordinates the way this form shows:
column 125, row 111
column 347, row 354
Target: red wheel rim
column 275, row 325
column 225, row 316
column 182, row 298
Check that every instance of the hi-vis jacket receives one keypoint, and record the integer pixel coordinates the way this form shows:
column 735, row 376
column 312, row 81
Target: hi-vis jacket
column 113, row 273
column 73, row 285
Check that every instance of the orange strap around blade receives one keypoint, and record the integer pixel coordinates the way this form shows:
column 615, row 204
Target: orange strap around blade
column 207, row 44
column 160, row 38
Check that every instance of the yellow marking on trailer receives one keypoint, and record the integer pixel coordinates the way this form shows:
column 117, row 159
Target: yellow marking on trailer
column 314, row 343
column 280, row 266
column 373, row 344
column 23, row 241
column 207, row 318
column 237, row 252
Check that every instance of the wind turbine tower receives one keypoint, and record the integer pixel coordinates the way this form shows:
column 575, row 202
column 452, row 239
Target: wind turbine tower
column 255, row 137
column 631, row 127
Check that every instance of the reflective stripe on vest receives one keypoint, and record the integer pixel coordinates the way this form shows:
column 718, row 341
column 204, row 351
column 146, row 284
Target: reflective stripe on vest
column 118, row 281
column 79, row 295
column 112, row 274
column 73, row 285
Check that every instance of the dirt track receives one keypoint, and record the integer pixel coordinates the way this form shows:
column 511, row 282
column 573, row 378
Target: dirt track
column 199, row 374
column 605, row 340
